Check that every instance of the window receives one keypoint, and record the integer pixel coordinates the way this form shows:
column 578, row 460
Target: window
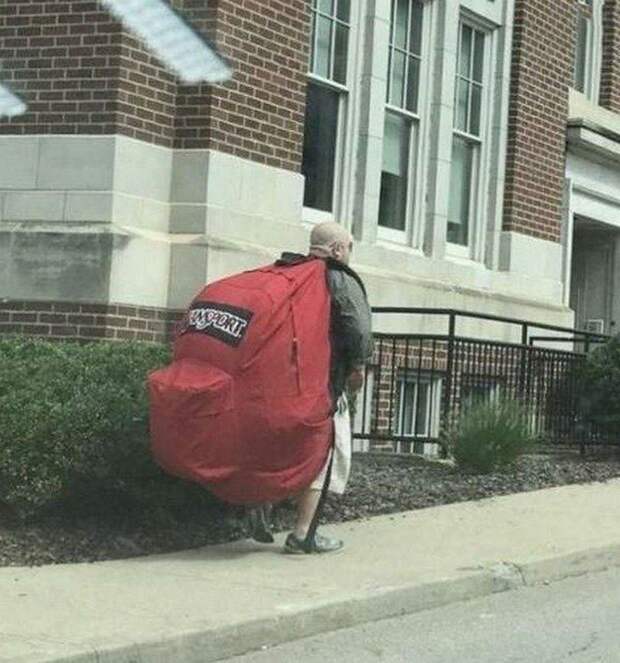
column 581, row 53
column 401, row 117
column 394, row 173
column 479, row 389
column 467, row 136
column 419, row 410
column 588, row 49
column 325, row 98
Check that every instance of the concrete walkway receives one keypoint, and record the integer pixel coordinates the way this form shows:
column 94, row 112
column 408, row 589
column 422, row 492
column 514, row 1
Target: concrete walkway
column 211, row 603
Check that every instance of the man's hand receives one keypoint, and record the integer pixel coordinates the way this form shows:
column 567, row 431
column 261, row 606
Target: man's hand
column 356, row 379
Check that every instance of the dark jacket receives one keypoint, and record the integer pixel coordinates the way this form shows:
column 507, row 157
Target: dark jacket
column 350, row 328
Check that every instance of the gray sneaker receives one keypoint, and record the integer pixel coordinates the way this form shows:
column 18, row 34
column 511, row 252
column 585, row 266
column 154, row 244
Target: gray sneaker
column 320, row 544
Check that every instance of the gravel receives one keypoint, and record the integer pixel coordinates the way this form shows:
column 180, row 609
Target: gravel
column 110, row 527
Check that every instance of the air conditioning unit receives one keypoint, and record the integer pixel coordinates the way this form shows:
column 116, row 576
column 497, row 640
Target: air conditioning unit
column 595, row 326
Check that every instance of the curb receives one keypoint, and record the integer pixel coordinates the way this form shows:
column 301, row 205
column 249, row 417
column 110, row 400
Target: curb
column 210, row 645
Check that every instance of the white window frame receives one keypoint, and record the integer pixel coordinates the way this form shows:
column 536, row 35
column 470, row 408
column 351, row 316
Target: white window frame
column 494, row 387
column 474, row 250
column 413, row 232
column 433, row 406
column 594, row 52
column 465, row 250
column 363, row 420
column 413, row 119
column 345, row 138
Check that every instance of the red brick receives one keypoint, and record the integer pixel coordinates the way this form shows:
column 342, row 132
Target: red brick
column 64, row 331
column 81, row 319
column 92, row 332
column 268, row 32
column 23, row 317
column 36, row 330
column 537, row 116
column 125, row 334
column 53, row 318
column 86, row 43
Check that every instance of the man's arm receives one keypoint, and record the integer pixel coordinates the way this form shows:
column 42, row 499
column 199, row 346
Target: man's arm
column 352, row 325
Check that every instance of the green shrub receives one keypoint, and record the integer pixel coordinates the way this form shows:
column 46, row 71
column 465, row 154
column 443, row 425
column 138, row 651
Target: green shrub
column 599, row 388
column 489, row 436
column 72, row 414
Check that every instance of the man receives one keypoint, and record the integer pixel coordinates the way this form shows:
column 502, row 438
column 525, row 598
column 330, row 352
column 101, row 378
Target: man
column 351, row 341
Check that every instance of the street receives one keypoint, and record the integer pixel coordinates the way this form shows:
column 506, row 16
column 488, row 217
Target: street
column 575, row 620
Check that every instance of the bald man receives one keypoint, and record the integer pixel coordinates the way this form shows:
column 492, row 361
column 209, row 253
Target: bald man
column 351, row 349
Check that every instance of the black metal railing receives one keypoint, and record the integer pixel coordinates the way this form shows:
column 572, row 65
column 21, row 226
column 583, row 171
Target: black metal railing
column 419, row 382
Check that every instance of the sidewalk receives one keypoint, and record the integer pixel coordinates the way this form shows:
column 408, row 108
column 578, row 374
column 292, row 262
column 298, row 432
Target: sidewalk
column 208, row 604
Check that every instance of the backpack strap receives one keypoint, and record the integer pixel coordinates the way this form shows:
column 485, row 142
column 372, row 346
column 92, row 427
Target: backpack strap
column 309, row 540
column 288, row 259
column 341, row 267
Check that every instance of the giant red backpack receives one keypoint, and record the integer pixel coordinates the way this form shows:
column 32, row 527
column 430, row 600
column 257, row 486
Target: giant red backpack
column 245, row 407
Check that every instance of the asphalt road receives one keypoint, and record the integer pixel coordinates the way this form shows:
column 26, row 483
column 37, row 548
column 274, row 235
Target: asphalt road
column 573, row 621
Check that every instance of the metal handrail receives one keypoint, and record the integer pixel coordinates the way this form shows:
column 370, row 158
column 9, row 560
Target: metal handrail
column 415, row 336
column 484, row 316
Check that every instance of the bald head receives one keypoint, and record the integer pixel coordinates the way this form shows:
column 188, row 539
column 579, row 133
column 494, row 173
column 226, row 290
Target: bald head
column 331, row 240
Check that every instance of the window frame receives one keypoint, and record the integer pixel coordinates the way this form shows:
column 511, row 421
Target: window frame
column 346, row 139
column 412, row 234
column 593, row 51
column 393, row 234
column 433, row 408
column 474, row 249
column 492, row 384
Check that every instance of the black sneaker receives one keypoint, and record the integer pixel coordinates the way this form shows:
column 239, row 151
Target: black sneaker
column 258, row 520
column 320, row 544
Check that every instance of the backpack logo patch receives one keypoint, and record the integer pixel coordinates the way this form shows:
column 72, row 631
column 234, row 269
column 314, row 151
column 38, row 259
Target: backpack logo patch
column 226, row 323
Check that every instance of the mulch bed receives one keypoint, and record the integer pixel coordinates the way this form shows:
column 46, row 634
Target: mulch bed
column 103, row 527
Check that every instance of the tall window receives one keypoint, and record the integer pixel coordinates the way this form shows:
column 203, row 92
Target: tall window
column 588, row 47
column 581, row 52
column 467, row 136
column 326, row 89
column 401, row 117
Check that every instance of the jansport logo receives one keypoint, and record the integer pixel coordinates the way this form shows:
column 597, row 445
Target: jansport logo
column 226, row 323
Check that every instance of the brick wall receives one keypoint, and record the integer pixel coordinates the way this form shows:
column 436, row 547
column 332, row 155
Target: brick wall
column 146, row 95
column 81, row 74
column 610, row 72
column 542, row 71
column 62, row 58
column 259, row 114
column 73, row 321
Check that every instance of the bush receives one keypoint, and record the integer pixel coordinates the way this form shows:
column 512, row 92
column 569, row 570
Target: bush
column 599, row 393
column 72, row 415
column 489, row 436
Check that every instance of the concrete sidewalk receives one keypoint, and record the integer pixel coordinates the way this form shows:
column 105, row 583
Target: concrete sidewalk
column 208, row 604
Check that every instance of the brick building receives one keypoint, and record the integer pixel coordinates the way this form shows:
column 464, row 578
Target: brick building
column 472, row 146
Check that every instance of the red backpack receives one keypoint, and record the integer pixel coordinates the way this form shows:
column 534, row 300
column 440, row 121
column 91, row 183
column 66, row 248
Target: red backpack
column 245, row 407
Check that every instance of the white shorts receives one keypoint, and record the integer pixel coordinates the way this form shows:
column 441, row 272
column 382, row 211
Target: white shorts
column 341, row 467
